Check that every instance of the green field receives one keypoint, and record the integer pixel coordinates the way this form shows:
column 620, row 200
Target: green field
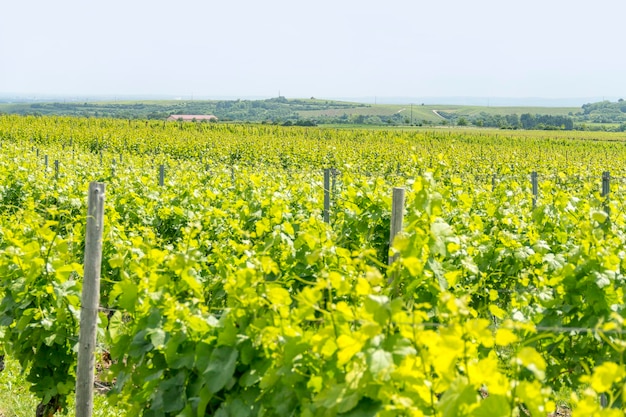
column 427, row 112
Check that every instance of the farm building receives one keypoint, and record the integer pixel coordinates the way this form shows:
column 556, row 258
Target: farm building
column 192, row 117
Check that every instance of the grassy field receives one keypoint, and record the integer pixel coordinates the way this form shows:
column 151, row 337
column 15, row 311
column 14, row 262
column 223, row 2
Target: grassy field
column 419, row 112
column 428, row 112
column 17, row 401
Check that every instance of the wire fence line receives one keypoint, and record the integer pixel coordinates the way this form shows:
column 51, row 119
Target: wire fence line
column 118, row 161
column 520, row 326
column 504, row 177
column 524, row 326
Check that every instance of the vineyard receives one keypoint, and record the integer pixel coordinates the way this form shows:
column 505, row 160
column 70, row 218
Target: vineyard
column 226, row 293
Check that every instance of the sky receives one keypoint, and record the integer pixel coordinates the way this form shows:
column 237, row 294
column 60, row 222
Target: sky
column 321, row 48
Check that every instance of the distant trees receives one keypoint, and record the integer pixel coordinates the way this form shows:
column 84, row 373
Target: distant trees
column 524, row 121
column 604, row 112
column 512, row 121
column 528, row 121
column 546, row 122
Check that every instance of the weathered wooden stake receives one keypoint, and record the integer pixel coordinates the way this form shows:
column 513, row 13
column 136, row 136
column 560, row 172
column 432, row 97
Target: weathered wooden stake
column 397, row 217
column 533, row 180
column 90, row 301
column 56, row 169
column 606, row 190
column 606, row 183
column 327, row 195
column 604, row 401
column 161, row 175
column 45, row 161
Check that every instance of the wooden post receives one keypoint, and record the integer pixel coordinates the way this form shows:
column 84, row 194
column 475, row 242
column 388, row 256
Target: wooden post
column 606, row 190
column 161, row 175
column 493, row 182
column 45, row 161
column 533, row 180
column 90, row 300
column 56, row 169
column 397, row 217
column 604, row 401
column 606, row 183
column 327, row 195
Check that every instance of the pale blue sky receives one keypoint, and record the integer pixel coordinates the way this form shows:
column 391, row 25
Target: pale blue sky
column 322, row 48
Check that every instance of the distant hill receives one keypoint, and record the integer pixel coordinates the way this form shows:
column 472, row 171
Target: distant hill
column 482, row 101
column 311, row 111
column 402, row 100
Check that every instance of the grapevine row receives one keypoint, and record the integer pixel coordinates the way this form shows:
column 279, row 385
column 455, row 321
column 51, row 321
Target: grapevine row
column 232, row 296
